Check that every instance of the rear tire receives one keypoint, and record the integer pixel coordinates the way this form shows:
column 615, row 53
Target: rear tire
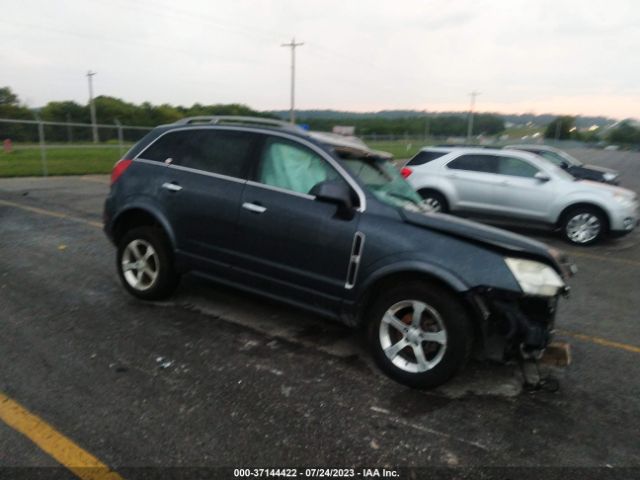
column 583, row 226
column 145, row 263
column 435, row 200
column 419, row 334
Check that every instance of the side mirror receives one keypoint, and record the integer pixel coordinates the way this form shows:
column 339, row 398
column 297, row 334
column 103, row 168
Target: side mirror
column 542, row 177
column 564, row 165
column 334, row 191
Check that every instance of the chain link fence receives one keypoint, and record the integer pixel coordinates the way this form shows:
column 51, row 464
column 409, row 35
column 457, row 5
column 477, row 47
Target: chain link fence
column 27, row 136
column 41, row 147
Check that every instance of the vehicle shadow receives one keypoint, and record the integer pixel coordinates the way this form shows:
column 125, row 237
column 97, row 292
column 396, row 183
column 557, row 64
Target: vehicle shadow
column 299, row 327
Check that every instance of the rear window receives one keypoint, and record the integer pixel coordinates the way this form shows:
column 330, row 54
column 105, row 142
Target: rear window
column 425, row 157
column 475, row 163
column 216, row 151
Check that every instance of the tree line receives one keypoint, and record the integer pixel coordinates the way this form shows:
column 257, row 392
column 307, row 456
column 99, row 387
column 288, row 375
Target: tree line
column 426, row 125
column 109, row 110
column 397, row 123
column 564, row 128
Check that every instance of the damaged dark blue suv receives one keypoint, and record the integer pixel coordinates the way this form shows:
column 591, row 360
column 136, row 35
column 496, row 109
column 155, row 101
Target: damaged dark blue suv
column 323, row 222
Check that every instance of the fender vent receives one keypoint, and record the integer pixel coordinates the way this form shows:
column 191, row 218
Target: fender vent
column 354, row 261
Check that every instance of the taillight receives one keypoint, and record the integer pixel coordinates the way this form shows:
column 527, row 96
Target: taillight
column 405, row 172
column 118, row 169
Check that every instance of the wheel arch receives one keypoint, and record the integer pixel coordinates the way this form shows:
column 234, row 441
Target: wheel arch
column 428, row 274
column 435, row 182
column 407, row 271
column 584, row 204
column 137, row 216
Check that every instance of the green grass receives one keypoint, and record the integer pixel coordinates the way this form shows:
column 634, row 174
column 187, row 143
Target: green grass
column 23, row 162
column 516, row 133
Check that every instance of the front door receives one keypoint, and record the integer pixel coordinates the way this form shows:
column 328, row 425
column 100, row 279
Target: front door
column 520, row 194
column 290, row 243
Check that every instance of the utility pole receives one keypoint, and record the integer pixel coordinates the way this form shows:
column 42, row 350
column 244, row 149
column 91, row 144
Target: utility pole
column 293, row 45
column 473, row 96
column 92, row 106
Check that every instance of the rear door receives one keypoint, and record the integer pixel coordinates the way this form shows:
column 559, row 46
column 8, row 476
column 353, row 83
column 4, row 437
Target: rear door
column 202, row 190
column 475, row 181
column 290, row 243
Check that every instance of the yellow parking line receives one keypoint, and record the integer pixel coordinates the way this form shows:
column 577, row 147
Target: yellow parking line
column 608, row 259
column 49, row 213
column 79, row 461
column 601, row 341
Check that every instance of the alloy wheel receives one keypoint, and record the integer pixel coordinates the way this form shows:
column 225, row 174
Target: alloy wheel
column 140, row 264
column 412, row 336
column 434, row 204
column 583, row 227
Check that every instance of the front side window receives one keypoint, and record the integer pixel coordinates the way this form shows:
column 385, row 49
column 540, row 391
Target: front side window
column 224, row 152
column 384, row 181
column 516, row 167
column 288, row 165
column 475, row 163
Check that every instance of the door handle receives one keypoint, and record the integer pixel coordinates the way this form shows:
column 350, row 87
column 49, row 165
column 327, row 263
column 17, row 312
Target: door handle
column 172, row 187
column 252, row 207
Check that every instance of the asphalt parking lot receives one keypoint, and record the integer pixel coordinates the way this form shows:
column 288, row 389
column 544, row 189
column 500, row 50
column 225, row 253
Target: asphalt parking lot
column 216, row 378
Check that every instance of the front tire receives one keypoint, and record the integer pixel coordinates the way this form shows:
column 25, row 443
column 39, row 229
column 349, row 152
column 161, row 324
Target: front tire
column 419, row 334
column 583, row 226
column 145, row 263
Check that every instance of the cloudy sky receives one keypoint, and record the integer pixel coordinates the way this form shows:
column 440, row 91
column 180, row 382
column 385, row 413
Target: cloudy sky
column 558, row 56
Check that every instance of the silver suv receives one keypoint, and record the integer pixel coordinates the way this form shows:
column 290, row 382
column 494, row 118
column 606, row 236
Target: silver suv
column 522, row 188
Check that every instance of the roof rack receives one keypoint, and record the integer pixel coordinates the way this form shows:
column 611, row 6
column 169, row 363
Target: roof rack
column 232, row 119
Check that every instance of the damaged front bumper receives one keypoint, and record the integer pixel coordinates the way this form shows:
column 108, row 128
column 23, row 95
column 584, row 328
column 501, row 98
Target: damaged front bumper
column 520, row 324
column 515, row 326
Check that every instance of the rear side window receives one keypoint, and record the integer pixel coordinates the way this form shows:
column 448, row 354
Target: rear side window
column 475, row 163
column 515, row 167
column 224, row 152
column 425, row 157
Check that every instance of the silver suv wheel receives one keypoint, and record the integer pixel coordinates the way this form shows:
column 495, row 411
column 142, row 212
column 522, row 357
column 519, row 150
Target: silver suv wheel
column 434, row 203
column 584, row 227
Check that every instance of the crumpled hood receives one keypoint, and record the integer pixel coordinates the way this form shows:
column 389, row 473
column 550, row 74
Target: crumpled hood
column 474, row 232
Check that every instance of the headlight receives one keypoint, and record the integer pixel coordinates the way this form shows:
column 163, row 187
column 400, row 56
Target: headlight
column 623, row 199
column 608, row 176
column 535, row 278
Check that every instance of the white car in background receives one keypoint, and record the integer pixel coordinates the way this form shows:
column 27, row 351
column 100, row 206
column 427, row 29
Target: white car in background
column 522, row 188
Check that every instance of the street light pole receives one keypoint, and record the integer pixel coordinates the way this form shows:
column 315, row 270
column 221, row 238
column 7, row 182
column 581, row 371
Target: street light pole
column 293, row 45
column 473, row 96
column 92, row 106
